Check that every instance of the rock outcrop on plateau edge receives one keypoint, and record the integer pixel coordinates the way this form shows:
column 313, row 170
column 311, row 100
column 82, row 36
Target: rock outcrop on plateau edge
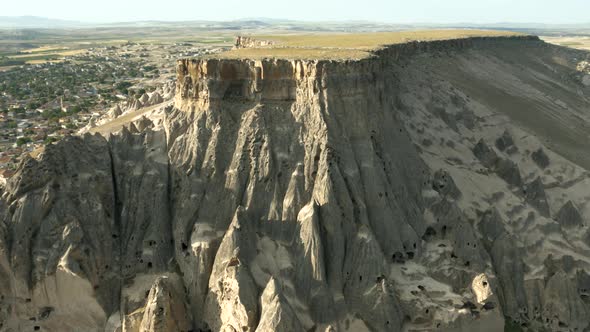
column 248, row 42
column 403, row 192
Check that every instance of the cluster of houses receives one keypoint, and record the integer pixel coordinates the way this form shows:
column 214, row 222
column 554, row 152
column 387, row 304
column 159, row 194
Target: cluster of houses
column 20, row 136
column 26, row 129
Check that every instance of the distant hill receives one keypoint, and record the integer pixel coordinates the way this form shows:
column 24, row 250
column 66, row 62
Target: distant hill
column 35, row 22
column 254, row 23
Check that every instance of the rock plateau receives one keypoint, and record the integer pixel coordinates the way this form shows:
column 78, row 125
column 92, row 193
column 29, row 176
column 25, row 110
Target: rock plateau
column 404, row 191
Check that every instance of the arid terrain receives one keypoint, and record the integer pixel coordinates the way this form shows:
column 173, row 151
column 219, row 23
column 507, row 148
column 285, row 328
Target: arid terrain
column 573, row 41
column 340, row 46
column 431, row 180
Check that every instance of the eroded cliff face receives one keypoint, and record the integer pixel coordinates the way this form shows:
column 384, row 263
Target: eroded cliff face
column 308, row 195
column 299, row 147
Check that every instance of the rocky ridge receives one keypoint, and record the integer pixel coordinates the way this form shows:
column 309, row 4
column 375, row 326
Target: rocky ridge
column 314, row 195
column 152, row 102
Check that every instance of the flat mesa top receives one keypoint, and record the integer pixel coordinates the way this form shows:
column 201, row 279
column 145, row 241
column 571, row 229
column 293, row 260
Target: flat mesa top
column 343, row 46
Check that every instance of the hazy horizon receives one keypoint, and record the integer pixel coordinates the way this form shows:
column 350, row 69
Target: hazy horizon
column 415, row 12
column 281, row 19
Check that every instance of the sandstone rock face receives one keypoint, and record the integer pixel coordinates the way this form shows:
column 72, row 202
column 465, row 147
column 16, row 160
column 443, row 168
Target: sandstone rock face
column 277, row 314
column 301, row 195
column 165, row 307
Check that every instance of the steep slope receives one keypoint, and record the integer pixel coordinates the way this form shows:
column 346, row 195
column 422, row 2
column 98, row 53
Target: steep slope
column 507, row 124
column 418, row 189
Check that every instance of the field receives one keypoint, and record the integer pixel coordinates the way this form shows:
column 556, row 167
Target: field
column 346, row 46
column 579, row 42
column 30, row 46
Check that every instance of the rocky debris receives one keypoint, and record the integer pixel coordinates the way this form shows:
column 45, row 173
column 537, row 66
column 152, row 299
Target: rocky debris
column 505, row 141
column 534, row 194
column 443, row 183
column 569, row 216
column 540, row 158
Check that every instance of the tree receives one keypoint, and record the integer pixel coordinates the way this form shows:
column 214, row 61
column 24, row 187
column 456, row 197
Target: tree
column 123, row 87
column 23, row 140
column 76, row 109
column 50, row 140
column 33, row 105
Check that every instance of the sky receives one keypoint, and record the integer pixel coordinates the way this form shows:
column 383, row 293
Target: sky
column 386, row 11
